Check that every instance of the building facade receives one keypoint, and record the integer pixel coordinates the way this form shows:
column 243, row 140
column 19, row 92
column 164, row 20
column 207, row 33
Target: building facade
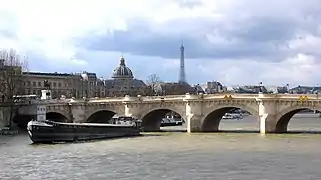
column 85, row 84
column 63, row 84
column 175, row 88
column 123, row 82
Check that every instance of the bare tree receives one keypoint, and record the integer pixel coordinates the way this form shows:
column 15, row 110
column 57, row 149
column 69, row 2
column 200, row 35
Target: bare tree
column 153, row 83
column 11, row 67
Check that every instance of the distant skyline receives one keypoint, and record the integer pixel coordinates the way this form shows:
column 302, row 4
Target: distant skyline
column 234, row 42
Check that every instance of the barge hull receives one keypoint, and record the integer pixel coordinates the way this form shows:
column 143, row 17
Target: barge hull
column 55, row 132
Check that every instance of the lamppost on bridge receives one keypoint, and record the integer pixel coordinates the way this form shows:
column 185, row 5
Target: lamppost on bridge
column 317, row 93
column 84, row 79
column 261, row 87
column 196, row 88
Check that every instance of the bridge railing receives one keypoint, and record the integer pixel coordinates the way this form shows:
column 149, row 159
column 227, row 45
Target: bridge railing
column 150, row 98
column 299, row 96
column 230, row 94
column 182, row 97
column 106, row 98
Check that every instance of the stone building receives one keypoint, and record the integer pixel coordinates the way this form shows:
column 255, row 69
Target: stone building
column 67, row 84
column 84, row 84
column 214, row 87
column 176, row 88
column 123, row 82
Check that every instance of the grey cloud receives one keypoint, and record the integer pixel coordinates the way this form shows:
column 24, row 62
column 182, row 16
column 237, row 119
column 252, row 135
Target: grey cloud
column 8, row 34
column 257, row 37
column 264, row 30
column 252, row 41
column 189, row 3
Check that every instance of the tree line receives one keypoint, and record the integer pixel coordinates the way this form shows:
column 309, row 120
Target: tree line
column 11, row 67
column 153, row 85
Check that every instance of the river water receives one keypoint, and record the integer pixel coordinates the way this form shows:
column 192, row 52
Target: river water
column 172, row 155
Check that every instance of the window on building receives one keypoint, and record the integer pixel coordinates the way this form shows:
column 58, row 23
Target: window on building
column 54, row 84
column 34, row 84
column 39, row 84
column 28, row 91
column 59, row 84
column 54, row 94
column 33, row 91
column 28, row 83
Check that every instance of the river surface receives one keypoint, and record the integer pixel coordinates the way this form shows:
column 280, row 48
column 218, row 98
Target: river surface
column 172, row 155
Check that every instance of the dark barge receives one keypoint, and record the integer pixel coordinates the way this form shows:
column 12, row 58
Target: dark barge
column 45, row 131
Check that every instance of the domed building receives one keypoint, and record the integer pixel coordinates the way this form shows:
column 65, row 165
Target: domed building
column 123, row 82
column 122, row 71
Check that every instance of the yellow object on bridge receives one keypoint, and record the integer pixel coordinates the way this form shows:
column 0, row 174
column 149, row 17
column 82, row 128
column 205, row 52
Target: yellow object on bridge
column 303, row 98
column 228, row 97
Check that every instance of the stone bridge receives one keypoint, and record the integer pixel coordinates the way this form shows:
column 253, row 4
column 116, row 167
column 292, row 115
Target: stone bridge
column 202, row 113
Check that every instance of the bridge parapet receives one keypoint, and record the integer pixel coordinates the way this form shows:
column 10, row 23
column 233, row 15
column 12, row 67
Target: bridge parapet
column 230, row 96
column 150, row 98
column 106, row 98
column 298, row 96
column 292, row 97
column 55, row 101
column 103, row 100
column 186, row 97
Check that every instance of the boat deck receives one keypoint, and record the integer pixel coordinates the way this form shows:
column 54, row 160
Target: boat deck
column 87, row 124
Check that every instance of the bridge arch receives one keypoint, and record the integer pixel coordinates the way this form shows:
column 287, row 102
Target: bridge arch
column 151, row 119
column 21, row 121
column 213, row 117
column 57, row 116
column 286, row 115
column 101, row 116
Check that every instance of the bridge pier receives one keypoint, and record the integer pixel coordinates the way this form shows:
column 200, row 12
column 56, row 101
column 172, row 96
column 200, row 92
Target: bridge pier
column 78, row 113
column 194, row 123
column 267, row 114
column 194, row 113
column 4, row 116
column 268, row 124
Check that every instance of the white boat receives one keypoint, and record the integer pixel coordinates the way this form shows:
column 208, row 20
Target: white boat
column 232, row 116
column 171, row 122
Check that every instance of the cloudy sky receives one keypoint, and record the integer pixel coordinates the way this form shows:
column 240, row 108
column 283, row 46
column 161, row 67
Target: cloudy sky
column 232, row 41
